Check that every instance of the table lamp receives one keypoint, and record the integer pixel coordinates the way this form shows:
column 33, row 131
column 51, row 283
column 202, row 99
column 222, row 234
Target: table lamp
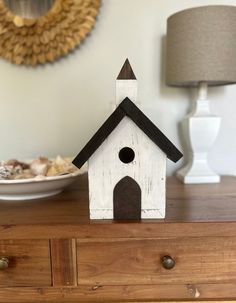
column 201, row 52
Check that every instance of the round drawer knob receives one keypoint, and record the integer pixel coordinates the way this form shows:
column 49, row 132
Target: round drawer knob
column 167, row 262
column 4, row 263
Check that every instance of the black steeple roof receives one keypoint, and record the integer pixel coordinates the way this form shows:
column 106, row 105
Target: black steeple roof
column 126, row 72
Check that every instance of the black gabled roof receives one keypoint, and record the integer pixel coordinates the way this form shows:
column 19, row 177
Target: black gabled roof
column 129, row 109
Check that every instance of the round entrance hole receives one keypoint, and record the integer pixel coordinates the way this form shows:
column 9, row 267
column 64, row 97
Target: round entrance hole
column 126, row 155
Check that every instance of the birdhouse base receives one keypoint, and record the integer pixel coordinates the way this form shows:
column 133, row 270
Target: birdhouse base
column 100, row 214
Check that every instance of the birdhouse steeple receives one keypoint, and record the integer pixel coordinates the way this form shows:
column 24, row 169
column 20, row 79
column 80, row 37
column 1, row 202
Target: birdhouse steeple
column 127, row 160
column 126, row 84
column 126, row 72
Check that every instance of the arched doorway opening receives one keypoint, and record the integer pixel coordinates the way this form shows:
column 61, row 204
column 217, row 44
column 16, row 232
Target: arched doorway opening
column 127, row 200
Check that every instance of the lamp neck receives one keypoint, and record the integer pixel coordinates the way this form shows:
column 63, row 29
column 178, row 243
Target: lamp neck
column 202, row 91
column 202, row 103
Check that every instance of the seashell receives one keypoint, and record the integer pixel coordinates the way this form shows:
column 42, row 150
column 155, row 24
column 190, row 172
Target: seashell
column 5, row 172
column 40, row 166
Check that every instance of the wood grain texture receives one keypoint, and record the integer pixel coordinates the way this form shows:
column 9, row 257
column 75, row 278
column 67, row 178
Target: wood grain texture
column 29, row 263
column 119, row 230
column 140, row 293
column 137, row 262
column 67, row 215
column 63, row 259
column 199, row 233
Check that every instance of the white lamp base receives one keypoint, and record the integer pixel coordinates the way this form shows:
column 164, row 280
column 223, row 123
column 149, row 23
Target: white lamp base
column 198, row 174
column 201, row 128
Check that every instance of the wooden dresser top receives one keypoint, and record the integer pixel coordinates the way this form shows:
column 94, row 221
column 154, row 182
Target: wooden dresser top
column 67, row 213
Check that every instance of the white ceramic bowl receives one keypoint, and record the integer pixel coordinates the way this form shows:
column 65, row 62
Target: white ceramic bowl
column 25, row 189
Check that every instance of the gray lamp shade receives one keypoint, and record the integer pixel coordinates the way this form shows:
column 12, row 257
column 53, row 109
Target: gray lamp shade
column 201, row 46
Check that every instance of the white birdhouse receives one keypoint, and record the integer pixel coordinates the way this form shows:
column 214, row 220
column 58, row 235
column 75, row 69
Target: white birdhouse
column 127, row 163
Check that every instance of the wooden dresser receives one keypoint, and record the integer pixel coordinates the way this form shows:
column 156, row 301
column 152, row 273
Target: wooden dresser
column 51, row 252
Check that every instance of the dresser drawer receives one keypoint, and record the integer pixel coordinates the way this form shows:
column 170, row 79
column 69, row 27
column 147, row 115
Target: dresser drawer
column 26, row 262
column 134, row 261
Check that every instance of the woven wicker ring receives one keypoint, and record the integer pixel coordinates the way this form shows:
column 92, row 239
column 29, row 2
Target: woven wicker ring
column 45, row 39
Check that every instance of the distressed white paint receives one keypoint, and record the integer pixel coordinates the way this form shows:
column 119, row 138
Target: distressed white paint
column 148, row 169
column 126, row 88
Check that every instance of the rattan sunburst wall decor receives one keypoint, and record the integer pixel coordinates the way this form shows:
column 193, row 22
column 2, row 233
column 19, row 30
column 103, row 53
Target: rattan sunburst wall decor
column 46, row 38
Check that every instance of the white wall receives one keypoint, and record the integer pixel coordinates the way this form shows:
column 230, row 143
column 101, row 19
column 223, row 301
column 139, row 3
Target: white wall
column 54, row 109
